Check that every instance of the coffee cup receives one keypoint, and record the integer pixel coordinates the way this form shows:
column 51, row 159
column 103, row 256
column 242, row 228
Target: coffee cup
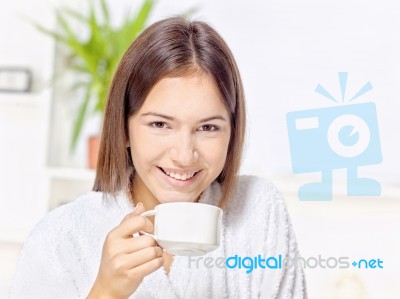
column 186, row 228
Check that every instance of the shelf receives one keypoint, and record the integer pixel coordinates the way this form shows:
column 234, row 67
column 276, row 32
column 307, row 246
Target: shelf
column 18, row 99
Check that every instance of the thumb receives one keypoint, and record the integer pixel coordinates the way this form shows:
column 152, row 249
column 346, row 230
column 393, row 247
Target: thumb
column 139, row 209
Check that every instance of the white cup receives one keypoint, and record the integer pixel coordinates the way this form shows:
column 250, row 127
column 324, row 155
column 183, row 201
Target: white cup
column 186, row 228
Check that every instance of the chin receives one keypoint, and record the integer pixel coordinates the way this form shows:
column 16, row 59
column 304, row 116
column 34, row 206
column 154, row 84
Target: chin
column 166, row 198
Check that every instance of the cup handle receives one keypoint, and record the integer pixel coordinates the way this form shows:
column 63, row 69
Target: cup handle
column 146, row 214
column 149, row 213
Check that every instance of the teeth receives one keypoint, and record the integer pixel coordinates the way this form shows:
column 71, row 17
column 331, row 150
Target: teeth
column 181, row 177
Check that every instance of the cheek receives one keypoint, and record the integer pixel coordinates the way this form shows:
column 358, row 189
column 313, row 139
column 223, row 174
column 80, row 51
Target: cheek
column 215, row 153
column 143, row 149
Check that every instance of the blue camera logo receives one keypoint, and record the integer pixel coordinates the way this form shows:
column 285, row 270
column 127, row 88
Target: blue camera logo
column 344, row 136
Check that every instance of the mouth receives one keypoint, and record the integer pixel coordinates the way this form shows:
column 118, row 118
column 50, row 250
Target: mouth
column 180, row 177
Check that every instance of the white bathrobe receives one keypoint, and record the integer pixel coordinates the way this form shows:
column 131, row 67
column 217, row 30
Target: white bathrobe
column 61, row 257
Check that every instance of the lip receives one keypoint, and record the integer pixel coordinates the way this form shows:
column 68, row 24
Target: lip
column 180, row 171
column 175, row 182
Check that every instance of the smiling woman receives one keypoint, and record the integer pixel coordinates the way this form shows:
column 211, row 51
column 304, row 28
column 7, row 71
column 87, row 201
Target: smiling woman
column 156, row 70
column 173, row 132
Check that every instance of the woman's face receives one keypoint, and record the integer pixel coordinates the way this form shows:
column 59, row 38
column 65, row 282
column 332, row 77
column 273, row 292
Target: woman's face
column 179, row 139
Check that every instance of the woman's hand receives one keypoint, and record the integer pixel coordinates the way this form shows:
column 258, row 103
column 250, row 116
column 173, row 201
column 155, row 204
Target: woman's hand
column 126, row 260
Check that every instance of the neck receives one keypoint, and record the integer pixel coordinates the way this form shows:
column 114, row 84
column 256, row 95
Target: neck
column 140, row 193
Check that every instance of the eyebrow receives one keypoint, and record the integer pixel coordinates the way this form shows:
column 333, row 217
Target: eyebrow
column 220, row 117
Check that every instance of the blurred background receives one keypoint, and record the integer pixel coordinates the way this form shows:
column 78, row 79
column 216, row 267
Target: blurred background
column 284, row 49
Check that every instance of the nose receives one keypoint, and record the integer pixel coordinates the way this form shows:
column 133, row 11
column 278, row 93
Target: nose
column 183, row 151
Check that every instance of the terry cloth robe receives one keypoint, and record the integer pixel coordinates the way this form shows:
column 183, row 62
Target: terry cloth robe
column 61, row 257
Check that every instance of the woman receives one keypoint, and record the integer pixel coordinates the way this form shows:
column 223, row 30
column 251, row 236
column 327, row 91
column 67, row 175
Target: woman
column 173, row 131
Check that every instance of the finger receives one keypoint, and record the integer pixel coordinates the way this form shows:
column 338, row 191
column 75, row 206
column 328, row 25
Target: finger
column 132, row 225
column 135, row 244
column 143, row 256
column 147, row 268
column 139, row 209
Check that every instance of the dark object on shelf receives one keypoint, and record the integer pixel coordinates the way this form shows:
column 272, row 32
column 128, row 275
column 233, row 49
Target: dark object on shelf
column 15, row 79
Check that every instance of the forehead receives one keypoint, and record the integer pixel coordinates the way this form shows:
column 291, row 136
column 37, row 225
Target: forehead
column 192, row 94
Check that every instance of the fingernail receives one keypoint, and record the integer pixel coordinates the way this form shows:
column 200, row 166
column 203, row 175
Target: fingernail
column 136, row 208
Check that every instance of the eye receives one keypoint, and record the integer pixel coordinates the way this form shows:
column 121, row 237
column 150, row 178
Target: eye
column 209, row 128
column 158, row 124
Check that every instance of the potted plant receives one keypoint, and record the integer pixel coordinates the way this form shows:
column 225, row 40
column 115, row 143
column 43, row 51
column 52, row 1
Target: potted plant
column 95, row 58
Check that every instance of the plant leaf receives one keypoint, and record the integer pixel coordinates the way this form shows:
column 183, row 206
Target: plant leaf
column 105, row 11
column 138, row 23
column 132, row 26
column 78, row 124
column 58, row 37
column 73, row 13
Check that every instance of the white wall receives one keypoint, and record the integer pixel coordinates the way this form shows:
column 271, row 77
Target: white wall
column 284, row 49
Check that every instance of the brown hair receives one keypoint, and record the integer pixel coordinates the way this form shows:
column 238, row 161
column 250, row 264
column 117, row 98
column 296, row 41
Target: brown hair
column 171, row 47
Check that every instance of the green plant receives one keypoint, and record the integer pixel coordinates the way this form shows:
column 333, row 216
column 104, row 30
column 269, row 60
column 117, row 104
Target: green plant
column 96, row 57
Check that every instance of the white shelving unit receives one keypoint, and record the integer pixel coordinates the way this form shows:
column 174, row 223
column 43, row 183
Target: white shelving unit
column 20, row 99
column 66, row 184
column 30, row 188
column 24, row 120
